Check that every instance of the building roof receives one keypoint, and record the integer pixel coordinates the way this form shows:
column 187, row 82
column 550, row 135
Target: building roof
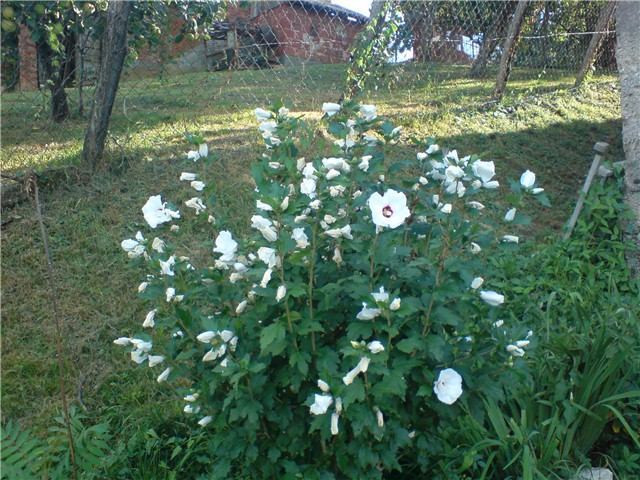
column 324, row 6
column 338, row 10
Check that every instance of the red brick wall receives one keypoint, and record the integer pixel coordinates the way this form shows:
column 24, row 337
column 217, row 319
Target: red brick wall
column 445, row 47
column 301, row 33
column 28, row 61
column 310, row 35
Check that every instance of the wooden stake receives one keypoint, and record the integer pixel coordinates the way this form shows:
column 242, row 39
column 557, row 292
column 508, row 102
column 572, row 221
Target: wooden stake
column 600, row 148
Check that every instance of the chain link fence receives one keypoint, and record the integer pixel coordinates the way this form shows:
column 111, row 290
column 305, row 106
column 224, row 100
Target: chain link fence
column 256, row 53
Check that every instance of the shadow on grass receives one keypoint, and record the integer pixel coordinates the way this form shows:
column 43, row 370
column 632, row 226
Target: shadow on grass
column 559, row 154
column 158, row 108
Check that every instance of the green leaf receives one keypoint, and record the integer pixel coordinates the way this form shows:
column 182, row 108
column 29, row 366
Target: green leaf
column 337, row 129
column 542, row 198
column 437, row 347
column 271, row 339
column 354, row 392
column 397, row 166
column 300, row 360
column 393, row 383
column 409, row 345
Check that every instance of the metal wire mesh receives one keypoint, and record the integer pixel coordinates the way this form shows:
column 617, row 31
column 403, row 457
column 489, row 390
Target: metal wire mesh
column 297, row 51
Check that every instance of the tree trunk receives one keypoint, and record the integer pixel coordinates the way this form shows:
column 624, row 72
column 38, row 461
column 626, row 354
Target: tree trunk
column 363, row 53
column 509, row 48
column 113, row 53
column 596, row 39
column 628, row 56
column 491, row 37
column 55, row 82
column 422, row 28
column 545, row 35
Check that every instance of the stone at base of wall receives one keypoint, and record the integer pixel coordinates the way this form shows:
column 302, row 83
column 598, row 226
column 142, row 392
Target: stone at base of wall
column 595, row 474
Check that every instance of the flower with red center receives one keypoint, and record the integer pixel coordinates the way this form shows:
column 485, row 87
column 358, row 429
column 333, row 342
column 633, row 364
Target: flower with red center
column 388, row 210
column 448, row 386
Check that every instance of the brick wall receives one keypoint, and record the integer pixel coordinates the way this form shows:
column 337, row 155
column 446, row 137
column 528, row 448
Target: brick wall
column 309, row 35
column 445, row 47
column 302, row 34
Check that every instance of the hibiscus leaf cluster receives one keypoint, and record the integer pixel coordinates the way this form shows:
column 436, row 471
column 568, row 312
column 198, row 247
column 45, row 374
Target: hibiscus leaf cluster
column 345, row 335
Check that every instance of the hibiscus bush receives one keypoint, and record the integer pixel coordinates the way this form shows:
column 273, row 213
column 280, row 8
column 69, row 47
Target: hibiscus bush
column 356, row 331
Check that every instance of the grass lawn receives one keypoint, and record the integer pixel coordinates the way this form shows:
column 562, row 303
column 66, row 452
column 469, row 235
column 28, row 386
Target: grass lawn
column 551, row 134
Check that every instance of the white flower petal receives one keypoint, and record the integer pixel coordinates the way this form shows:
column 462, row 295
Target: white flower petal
column 149, row 319
column 204, row 421
column 510, row 215
column 335, row 416
column 491, row 298
column 448, row 386
column 394, row 305
column 154, row 211
column 527, row 179
column 375, row 347
column 321, row 404
column 388, row 210
column 164, row 375
column 187, row 177
column 330, row 108
column 262, row 114
column 324, row 386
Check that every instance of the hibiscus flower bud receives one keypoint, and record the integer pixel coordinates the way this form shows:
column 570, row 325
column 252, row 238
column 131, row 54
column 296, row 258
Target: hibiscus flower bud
column 491, row 298
column 330, row 109
column 335, row 416
column 204, row 421
column 188, row 177
column 528, row 179
column 206, row 337
column 149, row 320
column 262, row 114
column 515, row 350
column 155, row 360
column 510, row 215
column 394, row 305
column 164, row 375
column 241, row 306
column 198, row 185
column 379, row 416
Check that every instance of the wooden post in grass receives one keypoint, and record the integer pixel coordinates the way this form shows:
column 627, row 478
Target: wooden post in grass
column 509, row 49
column 600, row 148
column 596, row 39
